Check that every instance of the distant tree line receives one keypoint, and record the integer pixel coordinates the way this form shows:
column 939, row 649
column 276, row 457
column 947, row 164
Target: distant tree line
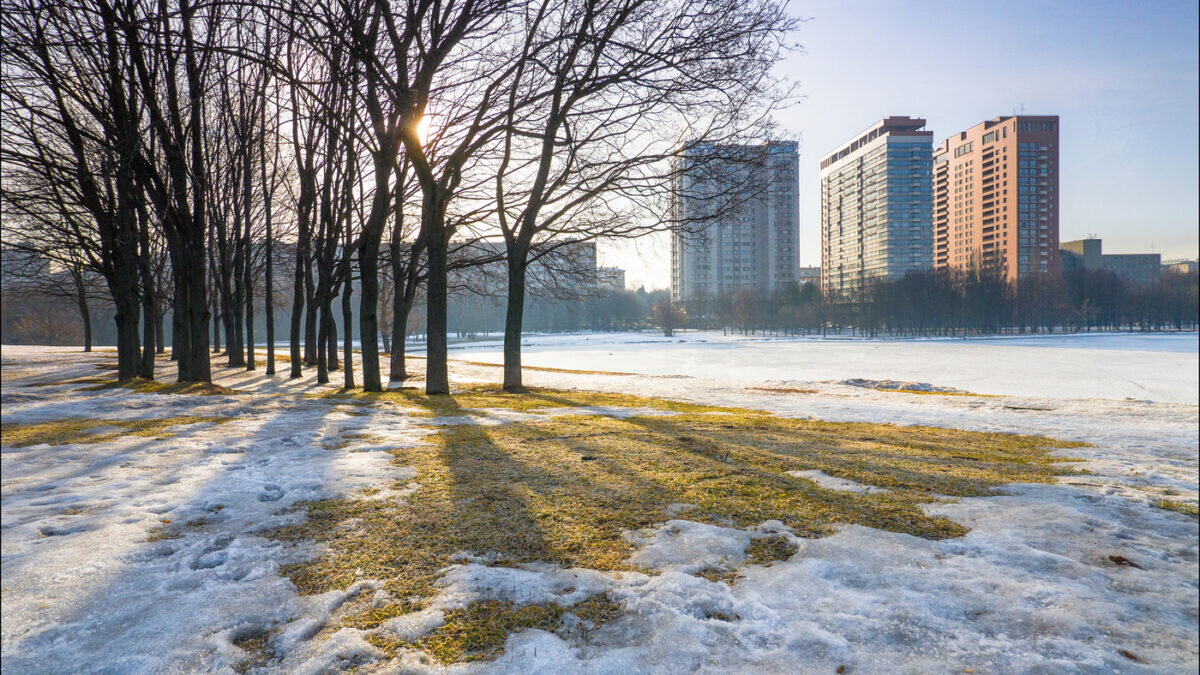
column 961, row 303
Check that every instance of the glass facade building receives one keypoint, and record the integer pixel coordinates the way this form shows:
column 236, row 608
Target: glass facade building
column 876, row 206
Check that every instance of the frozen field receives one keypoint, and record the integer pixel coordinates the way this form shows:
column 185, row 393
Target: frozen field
column 1031, row 588
column 1159, row 367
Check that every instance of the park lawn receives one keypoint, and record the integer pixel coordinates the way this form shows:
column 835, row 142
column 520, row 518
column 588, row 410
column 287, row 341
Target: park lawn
column 563, row 489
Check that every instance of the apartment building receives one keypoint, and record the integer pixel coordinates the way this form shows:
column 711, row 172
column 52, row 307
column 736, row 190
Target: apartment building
column 876, row 205
column 995, row 200
column 753, row 244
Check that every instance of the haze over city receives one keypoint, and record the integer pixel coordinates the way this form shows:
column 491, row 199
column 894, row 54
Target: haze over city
column 1122, row 76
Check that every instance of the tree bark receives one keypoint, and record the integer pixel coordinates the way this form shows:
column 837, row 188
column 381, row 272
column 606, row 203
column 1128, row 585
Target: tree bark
column 81, row 302
column 368, row 310
column 312, row 340
column 127, row 336
column 86, row 316
column 297, row 310
column 348, row 325
column 400, row 310
column 160, row 342
column 437, row 380
column 512, row 321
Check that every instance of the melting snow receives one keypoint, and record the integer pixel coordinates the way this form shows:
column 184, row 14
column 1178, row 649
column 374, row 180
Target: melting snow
column 1083, row 575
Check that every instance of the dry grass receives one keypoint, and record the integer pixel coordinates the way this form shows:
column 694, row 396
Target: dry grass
column 766, row 550
column 782, row 390
column 716, row 573
column 478, row 632
column 1186, row 508
column 88, row 430
column 95, row 379
column 141, row 385
column 470, row 399
column 144, row 386
column 923, row 392
column 562, row 490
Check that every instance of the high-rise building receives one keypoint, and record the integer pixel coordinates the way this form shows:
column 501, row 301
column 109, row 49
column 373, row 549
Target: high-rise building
column 996, row 197
column 755, row 244
column 876, row 204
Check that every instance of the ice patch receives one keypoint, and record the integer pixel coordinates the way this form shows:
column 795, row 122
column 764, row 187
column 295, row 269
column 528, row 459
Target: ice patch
column 834, row 483
column 412, row 626
column 690, row 546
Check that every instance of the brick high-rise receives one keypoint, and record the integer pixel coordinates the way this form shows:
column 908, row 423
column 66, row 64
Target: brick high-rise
column 995, row 197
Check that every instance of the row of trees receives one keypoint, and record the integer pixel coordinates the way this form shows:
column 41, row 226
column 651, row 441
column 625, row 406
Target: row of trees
column 962, row 303
column 172, row 148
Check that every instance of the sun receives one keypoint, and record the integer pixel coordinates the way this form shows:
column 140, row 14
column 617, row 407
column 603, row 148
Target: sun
column 423, row 130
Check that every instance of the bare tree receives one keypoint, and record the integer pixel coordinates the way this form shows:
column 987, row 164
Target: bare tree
column 71, row 122
column 605, row 94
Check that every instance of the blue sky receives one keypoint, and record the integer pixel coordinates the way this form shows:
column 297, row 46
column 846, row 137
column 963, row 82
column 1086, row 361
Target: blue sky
column 1122, row 76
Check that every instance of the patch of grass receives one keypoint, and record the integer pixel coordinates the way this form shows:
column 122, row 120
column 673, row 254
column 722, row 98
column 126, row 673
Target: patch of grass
column 468, row 399
column 783, row 390
column 254, row 644
column 145, row 386
column 923, row 392
column 79, row 430
column 563, row 490
column 766, row 550
column 95, row 379
column 1186, row 508
column 716, row 573
column 163, row 533
column 478, row 631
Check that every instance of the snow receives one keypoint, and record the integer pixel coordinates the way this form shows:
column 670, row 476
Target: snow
column 834, row 483
column 1158, row 367
column 1036, row 585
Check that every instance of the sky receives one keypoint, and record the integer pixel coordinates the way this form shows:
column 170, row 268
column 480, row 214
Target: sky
column 1121, row 76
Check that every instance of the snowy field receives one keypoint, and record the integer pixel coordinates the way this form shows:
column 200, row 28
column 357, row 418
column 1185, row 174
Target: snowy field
column 1032, row 587
column 1157, row 367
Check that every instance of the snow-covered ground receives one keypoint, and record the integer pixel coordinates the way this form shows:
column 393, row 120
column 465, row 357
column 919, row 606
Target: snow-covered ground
column 1032, row 587
column 1156, row 367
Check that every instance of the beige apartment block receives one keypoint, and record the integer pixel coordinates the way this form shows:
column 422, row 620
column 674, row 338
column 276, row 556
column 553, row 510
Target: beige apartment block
column 995, row 197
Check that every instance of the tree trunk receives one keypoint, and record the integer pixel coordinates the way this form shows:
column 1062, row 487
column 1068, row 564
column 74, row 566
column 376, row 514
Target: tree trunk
column 160, row 342
column 127, row 335
column 322, row 354
column 248, row 286
column 192, row 298
column 248, row 253
column 401, row 307
column 311, row 339
column 437, row 379
column 298, row 309
column 146, row 369
column 347, row 324
column 512, row 321
column 86, row 316
column 234, row 349
column 269, row 294
column 368, row 307
column 332, row 340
